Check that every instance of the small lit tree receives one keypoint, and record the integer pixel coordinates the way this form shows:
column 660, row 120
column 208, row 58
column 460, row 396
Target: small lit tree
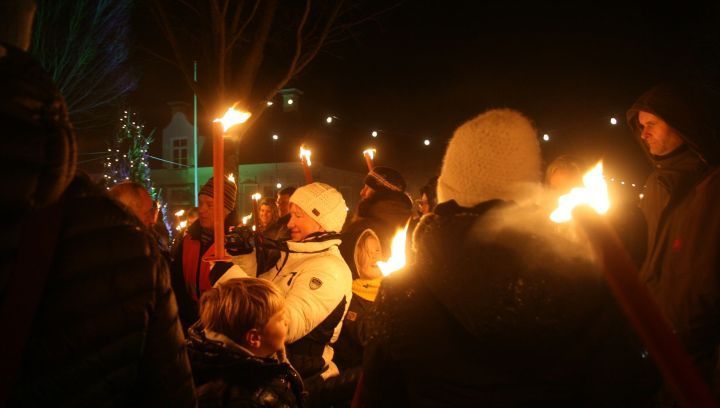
column 128, row 154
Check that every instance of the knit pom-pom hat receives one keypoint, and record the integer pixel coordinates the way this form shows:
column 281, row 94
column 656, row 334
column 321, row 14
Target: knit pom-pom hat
column 493, row 156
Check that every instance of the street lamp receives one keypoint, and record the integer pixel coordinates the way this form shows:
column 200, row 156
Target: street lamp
column 546, row 137
column 426, row 142
column 374, row 133
column 613, row 121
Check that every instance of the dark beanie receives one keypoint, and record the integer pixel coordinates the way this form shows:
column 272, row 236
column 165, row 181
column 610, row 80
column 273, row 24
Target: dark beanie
column 230, row 192
column 385, row 179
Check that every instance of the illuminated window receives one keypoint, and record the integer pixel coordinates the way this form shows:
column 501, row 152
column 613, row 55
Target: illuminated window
column 179, row 153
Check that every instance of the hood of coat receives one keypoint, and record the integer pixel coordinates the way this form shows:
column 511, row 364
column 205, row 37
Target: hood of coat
column 507, row 281
column 352, row 233
column 690, row 110
column 39, row 148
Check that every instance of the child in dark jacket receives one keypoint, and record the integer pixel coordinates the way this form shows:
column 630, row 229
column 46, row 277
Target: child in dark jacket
column 237, row 348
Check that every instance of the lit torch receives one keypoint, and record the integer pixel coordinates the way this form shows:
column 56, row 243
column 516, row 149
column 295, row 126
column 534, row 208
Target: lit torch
column 220, row 127
column 369, row 157
column 246, row 218
column 634, row 298
column 231, row 178
column 255, row 199
column 180, row 213
column 306, row 163
column 397, row 253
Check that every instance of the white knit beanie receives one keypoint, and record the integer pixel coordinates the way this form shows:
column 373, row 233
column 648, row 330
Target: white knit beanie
column 322, row 203
column 493, row 156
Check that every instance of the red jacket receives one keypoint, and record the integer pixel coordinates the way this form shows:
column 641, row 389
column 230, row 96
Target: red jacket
column 196, row 273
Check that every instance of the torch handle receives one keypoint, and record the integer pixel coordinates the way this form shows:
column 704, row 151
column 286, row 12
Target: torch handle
column 369, row 162
column 255, row 214
column 218, row 193
column 308, row 174
column 673, row 362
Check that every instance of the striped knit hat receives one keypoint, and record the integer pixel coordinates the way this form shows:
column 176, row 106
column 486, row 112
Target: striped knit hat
column 385, row 178
column 230, row 192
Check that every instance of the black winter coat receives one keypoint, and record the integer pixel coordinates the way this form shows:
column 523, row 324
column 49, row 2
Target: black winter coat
column 492, row 315
column 106, row 331
column 383, row 217
column 682, row 266
column 232, row 378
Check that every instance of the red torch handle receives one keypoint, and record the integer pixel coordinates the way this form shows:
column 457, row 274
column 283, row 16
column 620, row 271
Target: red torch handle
column 368, row 161
column 256, row 213
column 673, row 362
column 306, row 170
column 218, row 193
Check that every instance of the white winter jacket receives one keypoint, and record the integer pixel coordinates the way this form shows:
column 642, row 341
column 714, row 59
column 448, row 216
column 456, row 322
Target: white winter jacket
column 314, row 278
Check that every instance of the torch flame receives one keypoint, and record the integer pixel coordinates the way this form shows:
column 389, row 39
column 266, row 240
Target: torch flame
column 233, row 117
column 181, row 225
column 256, row 196
column 246, row 218
column 231, row 178
column 305, row 155
column 594, row 194
column 180, row 213
column 397, row 250
column 370, row 153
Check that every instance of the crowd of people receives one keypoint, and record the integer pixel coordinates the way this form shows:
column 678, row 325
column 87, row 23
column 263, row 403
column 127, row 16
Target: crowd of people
column 497, row 306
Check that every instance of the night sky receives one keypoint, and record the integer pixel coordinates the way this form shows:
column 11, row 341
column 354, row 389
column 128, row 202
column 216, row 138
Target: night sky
column 421, row 69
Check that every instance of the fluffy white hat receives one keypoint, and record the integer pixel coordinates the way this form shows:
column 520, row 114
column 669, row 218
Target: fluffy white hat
column 493, row 156
column 322, row 203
